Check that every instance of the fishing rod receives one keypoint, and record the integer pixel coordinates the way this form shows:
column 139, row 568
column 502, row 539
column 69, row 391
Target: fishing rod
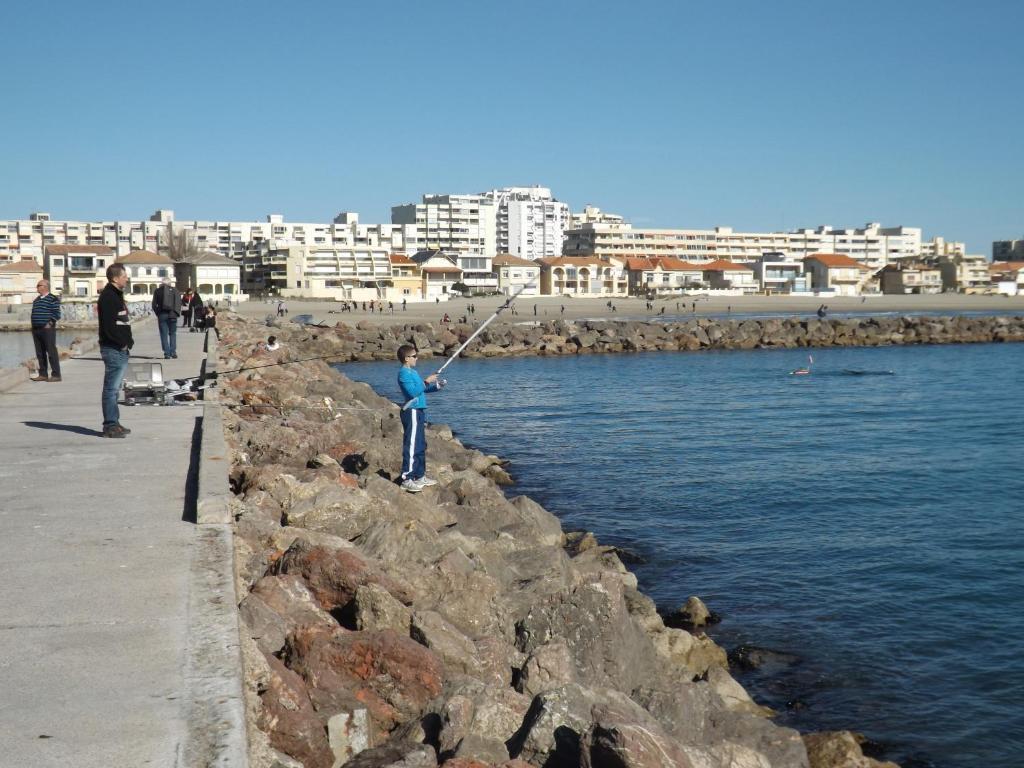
column 475, row 333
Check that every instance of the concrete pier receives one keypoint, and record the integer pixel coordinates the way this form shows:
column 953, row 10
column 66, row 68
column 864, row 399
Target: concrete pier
column 117, row 616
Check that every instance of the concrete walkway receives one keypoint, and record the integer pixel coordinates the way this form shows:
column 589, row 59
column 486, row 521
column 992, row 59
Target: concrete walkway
column 98, row 554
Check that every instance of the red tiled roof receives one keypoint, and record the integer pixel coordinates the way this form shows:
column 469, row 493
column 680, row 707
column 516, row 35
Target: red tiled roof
column 724, row 266
column 25, row 265
column 144, row 257
column 442, row 269
column 1005, row 266
column 401, row 258
column 99, row 250
column 672, row 264
column 638, row 263
column 508, row 260
column 572, row 261
column 835, row 260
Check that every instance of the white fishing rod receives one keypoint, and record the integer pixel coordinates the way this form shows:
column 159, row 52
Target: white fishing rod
column 475, row 333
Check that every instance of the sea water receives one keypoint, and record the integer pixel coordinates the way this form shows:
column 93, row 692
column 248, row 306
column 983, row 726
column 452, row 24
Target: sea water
column 868, row 524
column 17, row 346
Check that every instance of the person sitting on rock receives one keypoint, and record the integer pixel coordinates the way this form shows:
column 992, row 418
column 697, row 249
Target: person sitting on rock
column 414, row 418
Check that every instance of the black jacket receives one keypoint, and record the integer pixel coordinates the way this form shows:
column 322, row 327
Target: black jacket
column 115, row 322
column 167, row 300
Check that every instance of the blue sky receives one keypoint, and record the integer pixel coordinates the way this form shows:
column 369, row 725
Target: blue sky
column 756, row 115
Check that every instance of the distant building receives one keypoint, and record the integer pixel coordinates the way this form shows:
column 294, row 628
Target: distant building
column 18, row 281
column 621, row 241
column 440, row 271
column 778, row 273
column 461, row 224
column 513, row 273
column 662, row 274
column 145, row 271
column 406, row 279
column 1008, row 250
column 77, row 271
column 212, row 276
column 1007, row 277
column 583, row 276
column 530, row 223
column 725, row 275
column 910, row 277
column 319, row 272
column 836, row 273
column 593, row 215
column 966, row 274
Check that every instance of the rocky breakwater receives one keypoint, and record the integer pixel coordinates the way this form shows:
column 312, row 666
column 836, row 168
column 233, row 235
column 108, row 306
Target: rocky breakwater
column 367, row 340
column 455, row 626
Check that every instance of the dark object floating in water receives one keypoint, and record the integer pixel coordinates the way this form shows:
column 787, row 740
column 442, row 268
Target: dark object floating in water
column 858, row 372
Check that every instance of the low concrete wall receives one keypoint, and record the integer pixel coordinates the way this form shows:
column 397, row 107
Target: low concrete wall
column 215, row 708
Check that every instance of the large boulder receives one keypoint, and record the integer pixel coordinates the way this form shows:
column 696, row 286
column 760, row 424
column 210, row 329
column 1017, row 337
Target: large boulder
column 392, row 676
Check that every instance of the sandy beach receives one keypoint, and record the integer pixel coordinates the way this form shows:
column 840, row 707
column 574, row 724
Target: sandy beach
column 550, row 307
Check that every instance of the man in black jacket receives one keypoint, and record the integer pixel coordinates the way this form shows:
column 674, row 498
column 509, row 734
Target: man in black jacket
column 167, row 306
column 115, row 346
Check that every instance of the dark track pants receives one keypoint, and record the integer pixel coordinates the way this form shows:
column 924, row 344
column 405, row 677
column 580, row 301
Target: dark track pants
column 414, row 444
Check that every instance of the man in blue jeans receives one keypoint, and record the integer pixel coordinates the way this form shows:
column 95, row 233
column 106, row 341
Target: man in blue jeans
column 115, row 346
column 167, row 307
column 414, row 419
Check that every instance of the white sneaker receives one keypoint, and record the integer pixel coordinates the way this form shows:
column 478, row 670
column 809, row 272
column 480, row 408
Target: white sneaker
column 426, row 482
column 411, row 486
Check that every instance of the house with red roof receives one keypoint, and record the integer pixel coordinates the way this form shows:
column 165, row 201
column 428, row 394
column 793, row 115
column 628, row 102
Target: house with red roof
column 406, row 279
column 662, row 274
column 440, row 271
column 836, row 274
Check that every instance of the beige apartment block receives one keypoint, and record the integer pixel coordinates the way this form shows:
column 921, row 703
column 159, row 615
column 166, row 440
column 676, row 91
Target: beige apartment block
column 910, row 278
column 18, row 281
column 583, row 276
column 964, row 273
column 78, row 271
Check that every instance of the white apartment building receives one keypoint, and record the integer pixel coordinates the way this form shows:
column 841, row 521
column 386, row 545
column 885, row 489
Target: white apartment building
column 318, row 272
column 27, row 238
column 591, row 214
column 463, row 224
column 872, row 245
column 777, row 273
column 530, row 224
column 620, row 241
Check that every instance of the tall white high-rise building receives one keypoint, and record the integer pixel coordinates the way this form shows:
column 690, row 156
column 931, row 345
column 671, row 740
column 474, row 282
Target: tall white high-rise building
column 531, row 223
column 465, row 224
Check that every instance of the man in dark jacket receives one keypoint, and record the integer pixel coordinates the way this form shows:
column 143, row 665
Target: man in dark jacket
column 115, row 346
column 167, row 306
column 45, row 314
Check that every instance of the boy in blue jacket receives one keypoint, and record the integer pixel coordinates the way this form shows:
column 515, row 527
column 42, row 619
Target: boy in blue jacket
column 414, row 418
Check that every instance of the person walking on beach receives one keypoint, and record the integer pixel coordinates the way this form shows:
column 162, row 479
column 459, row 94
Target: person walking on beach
column 403, row 305
column 167, row 307
column 116, row 343
column 45, row 315
column 414, row 418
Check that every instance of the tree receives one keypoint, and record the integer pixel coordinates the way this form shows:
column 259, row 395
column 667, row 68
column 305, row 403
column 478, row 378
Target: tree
column 179, row 245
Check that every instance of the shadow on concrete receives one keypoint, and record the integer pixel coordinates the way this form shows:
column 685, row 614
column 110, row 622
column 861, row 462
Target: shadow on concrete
column 64, row 428
column 190, row 511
